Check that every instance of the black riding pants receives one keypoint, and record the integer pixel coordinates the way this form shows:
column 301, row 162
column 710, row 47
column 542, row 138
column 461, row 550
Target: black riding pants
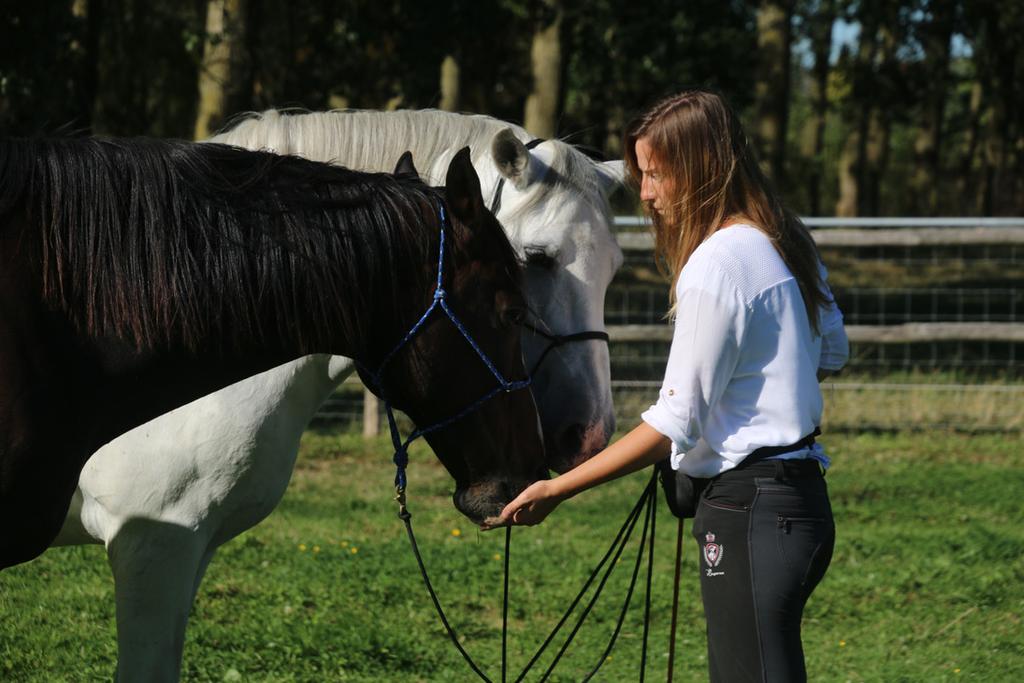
column 765, row 536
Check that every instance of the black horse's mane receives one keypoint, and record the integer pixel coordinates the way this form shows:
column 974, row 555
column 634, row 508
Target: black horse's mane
column 162, row 242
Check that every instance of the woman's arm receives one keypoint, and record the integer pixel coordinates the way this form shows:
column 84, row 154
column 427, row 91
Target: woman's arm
column 710, row 319
column 835, row 347
column 636, row 450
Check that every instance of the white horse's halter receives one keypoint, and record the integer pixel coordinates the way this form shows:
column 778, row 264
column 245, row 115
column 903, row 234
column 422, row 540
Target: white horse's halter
column 555, row 340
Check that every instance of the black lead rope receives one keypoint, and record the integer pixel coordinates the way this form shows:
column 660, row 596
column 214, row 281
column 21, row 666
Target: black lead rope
column 406, row 517
column 647, row 499
column 653, row 507
column 629, row 597
column 675, row 599
column 504, row 608
column 616, row 548
column 615, row 551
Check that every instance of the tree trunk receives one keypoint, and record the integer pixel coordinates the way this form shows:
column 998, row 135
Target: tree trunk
column 924, row 182
column 876, row 147
column 771, row 92
column 120, row 104
column 615, row 124
column 857, row 120
column 874, row 89
column 1001, row 134
column 967, row 178
column 449, row 84
column 820, row 33
column 996, row 153
column 223, row 57
column 541, row 115
column 875, row 161
column 846, row 205
column 90, row 13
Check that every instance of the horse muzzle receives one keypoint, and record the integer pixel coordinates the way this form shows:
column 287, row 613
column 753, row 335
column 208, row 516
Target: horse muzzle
column 486, row 499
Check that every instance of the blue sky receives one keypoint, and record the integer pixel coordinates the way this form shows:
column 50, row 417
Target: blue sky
column 847, row 33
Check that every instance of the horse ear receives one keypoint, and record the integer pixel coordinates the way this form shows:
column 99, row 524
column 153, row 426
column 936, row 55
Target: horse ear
column 512, row 158
column 611, row 175
column 405, row 167
column 462, row 186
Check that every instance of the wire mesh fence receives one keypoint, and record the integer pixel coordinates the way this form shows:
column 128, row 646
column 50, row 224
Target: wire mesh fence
column 849, row 405
column 936, row 325
column 934, row 307
column 889, row 405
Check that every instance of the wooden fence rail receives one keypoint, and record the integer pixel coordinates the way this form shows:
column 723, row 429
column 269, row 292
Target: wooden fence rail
column 895, row 237
column 844, row 233
column 877, row 222
column 876, row 334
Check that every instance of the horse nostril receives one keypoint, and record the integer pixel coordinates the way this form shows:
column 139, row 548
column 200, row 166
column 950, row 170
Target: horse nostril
column 571, row 439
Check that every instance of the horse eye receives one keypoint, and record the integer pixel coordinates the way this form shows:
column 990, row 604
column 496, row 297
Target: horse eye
column 514, row 315
column 538, row 258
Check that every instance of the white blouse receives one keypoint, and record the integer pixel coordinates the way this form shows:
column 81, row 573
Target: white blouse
column 742, row 370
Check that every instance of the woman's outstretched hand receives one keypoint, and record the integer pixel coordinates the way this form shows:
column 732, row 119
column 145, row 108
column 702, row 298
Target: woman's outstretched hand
column 643, row 446
column 528, row 508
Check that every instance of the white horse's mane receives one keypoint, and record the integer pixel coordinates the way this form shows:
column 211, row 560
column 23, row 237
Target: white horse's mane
column 366, row 138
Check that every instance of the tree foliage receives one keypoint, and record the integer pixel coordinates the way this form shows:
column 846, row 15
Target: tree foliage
column 907, row 107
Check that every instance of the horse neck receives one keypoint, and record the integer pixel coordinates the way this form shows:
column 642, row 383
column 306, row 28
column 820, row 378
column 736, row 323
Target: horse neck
column 373, row 140
column 118, row 386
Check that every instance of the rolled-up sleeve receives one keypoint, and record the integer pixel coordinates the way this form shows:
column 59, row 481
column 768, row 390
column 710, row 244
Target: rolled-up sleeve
column 710, row 321
column 835, row 347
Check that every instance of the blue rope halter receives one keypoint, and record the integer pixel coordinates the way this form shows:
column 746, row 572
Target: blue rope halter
column 440, row 301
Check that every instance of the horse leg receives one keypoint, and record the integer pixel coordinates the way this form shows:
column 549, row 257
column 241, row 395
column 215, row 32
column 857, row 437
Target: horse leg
column 157, row 568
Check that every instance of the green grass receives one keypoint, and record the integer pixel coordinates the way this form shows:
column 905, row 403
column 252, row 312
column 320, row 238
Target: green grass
column 927, row 583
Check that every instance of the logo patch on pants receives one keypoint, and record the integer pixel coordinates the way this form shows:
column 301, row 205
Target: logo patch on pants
column 712, row 553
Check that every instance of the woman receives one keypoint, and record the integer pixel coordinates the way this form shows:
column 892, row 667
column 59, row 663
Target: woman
column 755, row 330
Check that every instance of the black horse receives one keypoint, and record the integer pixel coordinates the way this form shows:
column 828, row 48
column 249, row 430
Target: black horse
column 137, row 275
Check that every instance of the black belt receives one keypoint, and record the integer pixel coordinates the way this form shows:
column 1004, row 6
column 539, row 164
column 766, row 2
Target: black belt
column 766, row 452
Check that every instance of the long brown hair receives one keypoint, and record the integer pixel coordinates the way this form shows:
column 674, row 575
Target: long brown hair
column 701, row 149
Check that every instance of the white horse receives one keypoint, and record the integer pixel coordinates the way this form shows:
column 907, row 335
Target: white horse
column 218, row 466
